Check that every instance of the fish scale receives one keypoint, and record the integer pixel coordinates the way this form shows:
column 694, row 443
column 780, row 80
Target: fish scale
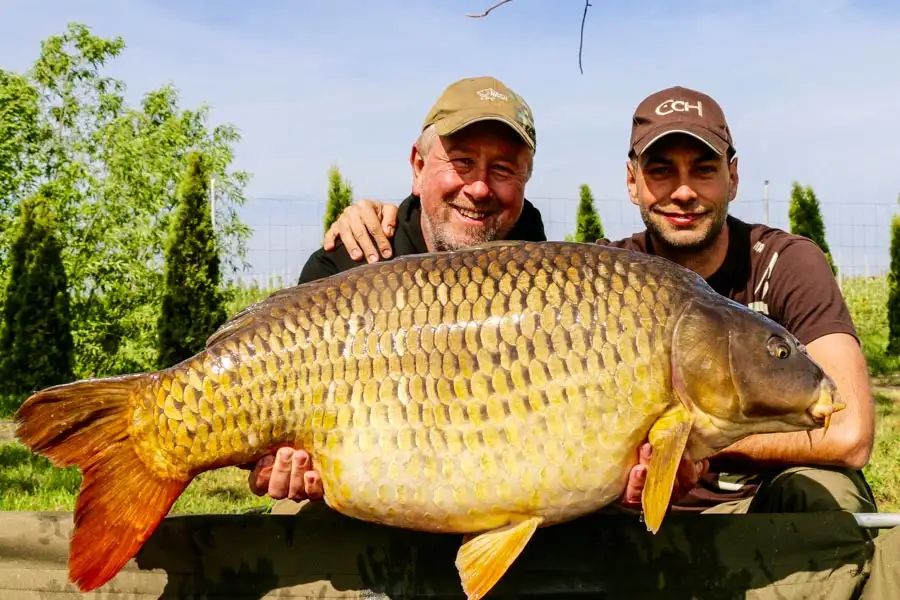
column 487, row 391
column 507, row 359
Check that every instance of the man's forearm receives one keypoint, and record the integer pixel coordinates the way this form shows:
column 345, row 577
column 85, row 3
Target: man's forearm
column 778, row 450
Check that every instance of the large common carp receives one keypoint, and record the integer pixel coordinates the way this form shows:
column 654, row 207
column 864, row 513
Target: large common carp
column 487, row 392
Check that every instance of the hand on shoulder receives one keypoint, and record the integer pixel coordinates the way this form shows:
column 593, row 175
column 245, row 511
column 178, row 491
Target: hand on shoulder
column 364, row 228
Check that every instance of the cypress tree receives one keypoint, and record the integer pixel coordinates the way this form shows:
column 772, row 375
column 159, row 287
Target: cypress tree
column 340, row 196
column 193, row 305
column 893, row 302
column 36, row 346
column 806, row 219
column 589, row 228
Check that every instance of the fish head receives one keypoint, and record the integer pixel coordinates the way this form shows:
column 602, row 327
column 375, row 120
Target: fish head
column 741, row 373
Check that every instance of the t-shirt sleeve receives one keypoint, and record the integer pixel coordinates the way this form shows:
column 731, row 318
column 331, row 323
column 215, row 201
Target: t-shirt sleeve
column 320, row 264
column 804, row 294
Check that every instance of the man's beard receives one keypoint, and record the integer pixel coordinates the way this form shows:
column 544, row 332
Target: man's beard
column 442, row 238
column 673, row 245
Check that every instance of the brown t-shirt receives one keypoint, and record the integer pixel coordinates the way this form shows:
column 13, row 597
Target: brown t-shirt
column 787, row 278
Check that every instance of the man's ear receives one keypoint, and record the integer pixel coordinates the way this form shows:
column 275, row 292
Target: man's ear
column 631, row 181
column 417, row 162
column 733, row 176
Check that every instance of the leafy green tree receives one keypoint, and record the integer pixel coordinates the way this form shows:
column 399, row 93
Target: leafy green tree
column 36, row 347
column 114, row 170
column 340, row 196
column 893, row 302
column 805, row 218
column 19, row 132
column 589, row 228
column 192, row 306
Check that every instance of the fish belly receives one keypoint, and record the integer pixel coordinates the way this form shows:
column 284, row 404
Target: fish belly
column 557, row 462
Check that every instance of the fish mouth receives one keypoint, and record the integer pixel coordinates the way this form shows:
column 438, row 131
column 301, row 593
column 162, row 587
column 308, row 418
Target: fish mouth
column 826, row 405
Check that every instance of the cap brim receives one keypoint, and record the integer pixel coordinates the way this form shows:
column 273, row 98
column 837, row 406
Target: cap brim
column 462, row 119
column 717, row 144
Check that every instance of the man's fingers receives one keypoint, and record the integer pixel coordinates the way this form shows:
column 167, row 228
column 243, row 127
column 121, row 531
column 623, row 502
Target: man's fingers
column 328, row 242
column 299, row 468
column 645, row 452
column 389, row 219
column 360, row 232
column 347, row 237
column 258, row 478
column 704, row 468
column 635, row 485
column 280, row 480
column 312, row 484
column 373, row 225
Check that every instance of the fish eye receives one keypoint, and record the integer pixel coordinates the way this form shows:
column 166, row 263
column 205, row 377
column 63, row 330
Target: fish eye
column 778, row 347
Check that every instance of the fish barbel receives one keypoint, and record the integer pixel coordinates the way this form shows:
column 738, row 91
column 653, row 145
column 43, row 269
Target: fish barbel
column 487, row 392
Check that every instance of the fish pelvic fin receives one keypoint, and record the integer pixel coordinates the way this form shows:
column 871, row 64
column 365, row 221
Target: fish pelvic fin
column 121, row 501
column 668, row 437
column 484, row 558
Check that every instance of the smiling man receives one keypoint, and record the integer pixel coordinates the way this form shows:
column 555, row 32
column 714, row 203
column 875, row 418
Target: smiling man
column 682, row 173
column 470, row 165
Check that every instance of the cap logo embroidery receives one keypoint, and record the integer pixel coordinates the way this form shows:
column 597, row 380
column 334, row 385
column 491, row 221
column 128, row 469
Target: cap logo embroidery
column 491, row 94
column 670, row 106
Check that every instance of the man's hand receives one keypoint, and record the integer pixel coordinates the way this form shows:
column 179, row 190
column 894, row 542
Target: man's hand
column 686, row 478
column 287, row 474
column 361, row 226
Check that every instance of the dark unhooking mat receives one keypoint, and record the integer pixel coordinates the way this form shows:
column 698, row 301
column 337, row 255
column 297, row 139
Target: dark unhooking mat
column 320, row 554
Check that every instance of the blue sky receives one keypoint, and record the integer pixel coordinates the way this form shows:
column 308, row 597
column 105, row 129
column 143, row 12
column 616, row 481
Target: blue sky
column 808, row 86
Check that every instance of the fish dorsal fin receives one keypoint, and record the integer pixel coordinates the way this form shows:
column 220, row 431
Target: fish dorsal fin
column 497, row 244
column 240, row 319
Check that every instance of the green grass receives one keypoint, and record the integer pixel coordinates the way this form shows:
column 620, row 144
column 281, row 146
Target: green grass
column 882, row 472
column 867, row 300
column 31, row 483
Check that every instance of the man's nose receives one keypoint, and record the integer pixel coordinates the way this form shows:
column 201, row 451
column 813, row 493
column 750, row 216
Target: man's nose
column 478, row 189
column 684, row 193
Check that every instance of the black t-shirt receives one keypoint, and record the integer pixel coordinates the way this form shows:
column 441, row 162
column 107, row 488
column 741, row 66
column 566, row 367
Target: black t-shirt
column 779, row 274
column 408, row 239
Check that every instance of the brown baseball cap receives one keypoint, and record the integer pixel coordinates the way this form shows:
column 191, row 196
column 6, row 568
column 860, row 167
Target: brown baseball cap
column 680, row 110
column 476, row 99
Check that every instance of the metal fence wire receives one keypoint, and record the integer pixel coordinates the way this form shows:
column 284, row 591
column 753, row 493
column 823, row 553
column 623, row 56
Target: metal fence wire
column 287, row 230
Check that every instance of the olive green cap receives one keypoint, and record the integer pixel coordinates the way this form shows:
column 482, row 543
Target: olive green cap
column 476, row 99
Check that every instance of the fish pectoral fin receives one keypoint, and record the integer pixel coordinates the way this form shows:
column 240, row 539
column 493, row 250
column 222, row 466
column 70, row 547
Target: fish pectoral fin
column 484, row 558
column 668, row 438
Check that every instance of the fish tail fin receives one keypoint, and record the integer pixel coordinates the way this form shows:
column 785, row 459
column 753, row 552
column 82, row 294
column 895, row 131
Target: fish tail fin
column 121, row 501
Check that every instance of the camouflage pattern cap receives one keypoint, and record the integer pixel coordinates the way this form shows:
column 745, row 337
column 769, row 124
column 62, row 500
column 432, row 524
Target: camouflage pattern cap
column 476, row 99
column 680, row 110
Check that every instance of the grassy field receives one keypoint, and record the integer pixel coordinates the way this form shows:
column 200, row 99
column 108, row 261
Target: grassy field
column 31, row 483
column 867, row 300
column 882, row 472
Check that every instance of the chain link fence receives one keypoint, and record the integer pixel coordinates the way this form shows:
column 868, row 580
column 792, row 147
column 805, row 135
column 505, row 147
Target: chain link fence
column 286, row 230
